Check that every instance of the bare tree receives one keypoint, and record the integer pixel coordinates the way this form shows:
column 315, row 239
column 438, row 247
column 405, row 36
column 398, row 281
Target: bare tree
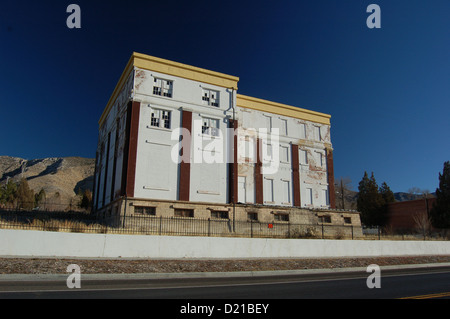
column 343, row 186
column 423, row 223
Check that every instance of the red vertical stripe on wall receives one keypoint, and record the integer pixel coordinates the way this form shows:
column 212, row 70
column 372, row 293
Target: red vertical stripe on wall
column 132, row 148
column 259, row 196
column 330, row 173
column 185, row 165
column 295, row 174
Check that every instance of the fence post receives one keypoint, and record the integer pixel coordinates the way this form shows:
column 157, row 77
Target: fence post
column 251, row 228
column 379, row 233
column 209, row 227
column 160, row 225
column 322, row 230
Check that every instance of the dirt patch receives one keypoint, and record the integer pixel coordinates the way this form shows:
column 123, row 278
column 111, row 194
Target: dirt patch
column 117, row 266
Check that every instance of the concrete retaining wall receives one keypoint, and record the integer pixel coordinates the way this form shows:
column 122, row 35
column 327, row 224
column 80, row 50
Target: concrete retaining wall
column 59, row 244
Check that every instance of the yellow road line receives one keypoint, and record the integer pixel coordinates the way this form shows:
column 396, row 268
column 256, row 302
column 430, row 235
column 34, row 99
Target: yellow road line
column 438, row 295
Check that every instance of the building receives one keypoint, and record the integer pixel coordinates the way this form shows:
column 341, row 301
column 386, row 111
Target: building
column 178, row 140
column 409, row 216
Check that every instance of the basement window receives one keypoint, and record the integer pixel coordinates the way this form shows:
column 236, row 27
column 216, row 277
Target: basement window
column 325, row 219
column 347, row 220
column 183, row 212
column 219, row 214
column 281, row 217
column 145, row 211
column 162, row 87
column 252, row 216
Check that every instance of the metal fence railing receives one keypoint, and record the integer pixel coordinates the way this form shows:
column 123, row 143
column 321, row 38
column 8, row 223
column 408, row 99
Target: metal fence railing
column 188, row 226
column 172, row 226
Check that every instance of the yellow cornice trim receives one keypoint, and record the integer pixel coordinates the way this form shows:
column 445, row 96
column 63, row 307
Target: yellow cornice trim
column 152, row 63
column 281, row 109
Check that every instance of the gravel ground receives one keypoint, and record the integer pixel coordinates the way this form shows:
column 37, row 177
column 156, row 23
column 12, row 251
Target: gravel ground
column 124, row 266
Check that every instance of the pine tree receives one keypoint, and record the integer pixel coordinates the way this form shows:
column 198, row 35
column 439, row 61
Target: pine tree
column 386, row 193
column 25, row 195
column 370, row 202
column 440, row 213
column 388, row 197
column 8, row 194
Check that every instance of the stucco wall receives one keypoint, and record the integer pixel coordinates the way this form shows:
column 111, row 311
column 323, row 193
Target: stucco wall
column 39, row 243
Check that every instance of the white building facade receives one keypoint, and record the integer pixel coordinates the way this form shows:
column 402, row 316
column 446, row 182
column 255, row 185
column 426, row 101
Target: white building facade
column 174, row 135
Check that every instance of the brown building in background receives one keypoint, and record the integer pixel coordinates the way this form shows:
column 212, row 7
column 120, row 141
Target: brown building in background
column 401, row 214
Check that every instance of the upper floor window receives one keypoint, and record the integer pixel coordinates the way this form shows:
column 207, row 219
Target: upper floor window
column 317, row 135
column 210, row 97
column 210, row 126
column 283, row 127
column 163, row 87
column 268, row 123
column 303, row 157
column 160, row 118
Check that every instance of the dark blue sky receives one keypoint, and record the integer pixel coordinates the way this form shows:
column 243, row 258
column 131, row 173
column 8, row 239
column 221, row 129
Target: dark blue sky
column 388, row 89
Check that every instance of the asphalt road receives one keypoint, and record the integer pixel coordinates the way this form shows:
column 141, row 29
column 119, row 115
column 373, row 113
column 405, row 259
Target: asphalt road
column 401, row 283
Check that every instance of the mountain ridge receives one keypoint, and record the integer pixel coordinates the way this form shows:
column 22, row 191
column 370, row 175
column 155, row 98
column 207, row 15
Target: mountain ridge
column 61, row 177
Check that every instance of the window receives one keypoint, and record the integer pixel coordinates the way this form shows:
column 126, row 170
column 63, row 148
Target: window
column 283, row 128
column 284, row 154
column 325, row 197
column 268, row 123
column 319, row 159
column 309, row 196
column 183, row 212
column 144, row 210
column 286, row 192
column 347, row 220
column 252, row 216
column 325, row 219
column 267, row 152
column 219, row 214
column 303, row 157
column 268, row 190
column 162, row 87
column 210, row 97
column 302, row 130
column 282, row 217
column 160, row 118
column 249, row 150
column 210, row 127
column 317, row 136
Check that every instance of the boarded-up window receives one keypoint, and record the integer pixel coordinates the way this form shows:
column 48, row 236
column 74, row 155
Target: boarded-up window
column 303, row 156
column 183, row 212
column 268, row 190
column 286, row 192
column 144, row 210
